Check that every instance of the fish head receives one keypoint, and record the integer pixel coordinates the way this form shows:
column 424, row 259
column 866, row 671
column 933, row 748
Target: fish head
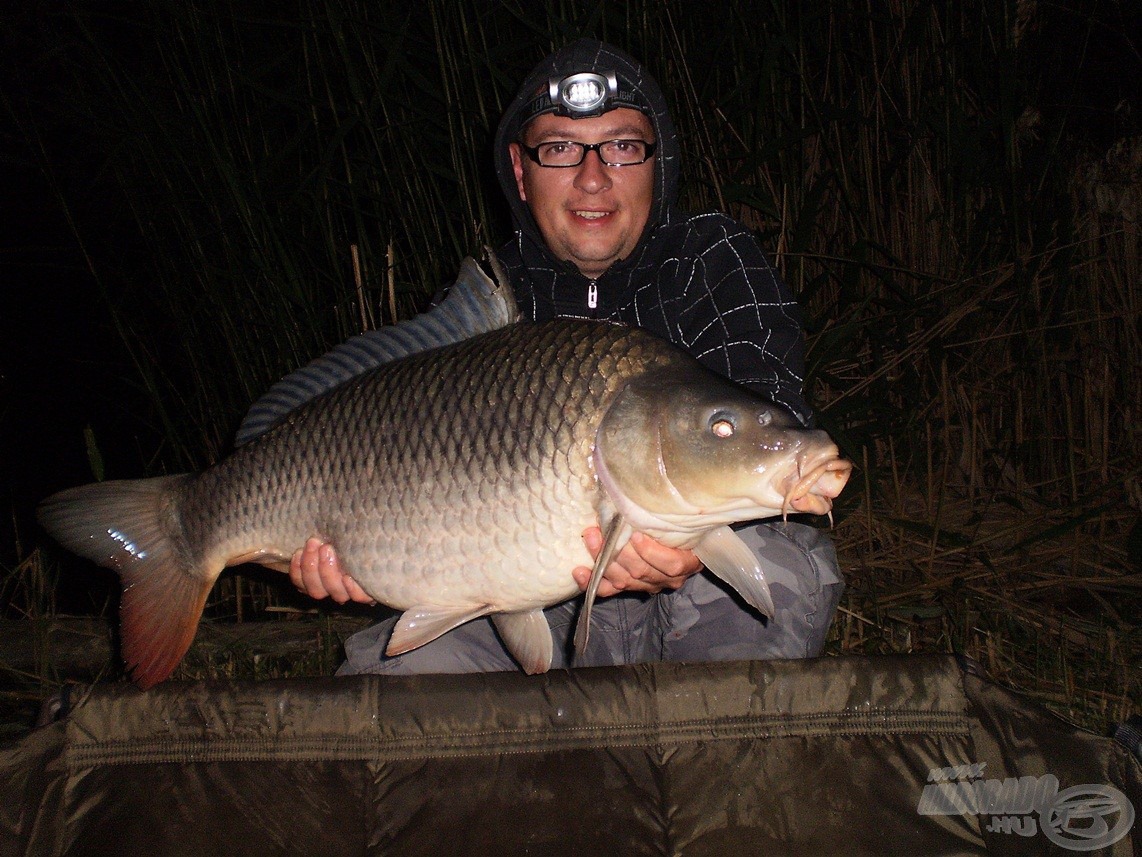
column 684, row 454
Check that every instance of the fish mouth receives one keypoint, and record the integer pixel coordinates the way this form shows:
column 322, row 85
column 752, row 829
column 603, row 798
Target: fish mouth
column 818, row 481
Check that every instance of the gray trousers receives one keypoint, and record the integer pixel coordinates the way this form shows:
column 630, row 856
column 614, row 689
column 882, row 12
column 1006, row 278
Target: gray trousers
column 704, row 620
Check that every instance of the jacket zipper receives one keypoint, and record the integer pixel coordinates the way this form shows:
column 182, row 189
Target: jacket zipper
column 592, row 295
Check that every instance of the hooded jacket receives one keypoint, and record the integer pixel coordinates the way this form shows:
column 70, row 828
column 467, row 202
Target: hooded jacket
column 699, row 281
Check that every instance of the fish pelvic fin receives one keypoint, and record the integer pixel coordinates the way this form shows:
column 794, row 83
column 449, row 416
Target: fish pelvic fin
column 724, row 553
column 527, row 636
column 420, row 625
column 132, row 528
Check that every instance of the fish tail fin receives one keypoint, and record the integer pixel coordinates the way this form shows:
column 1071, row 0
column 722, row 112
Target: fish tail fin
column 133, row 528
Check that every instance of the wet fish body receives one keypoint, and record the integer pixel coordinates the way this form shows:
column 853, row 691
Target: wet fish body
column 456, row 482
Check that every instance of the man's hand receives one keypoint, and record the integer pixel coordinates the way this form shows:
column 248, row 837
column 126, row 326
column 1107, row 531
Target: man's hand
column 643, row 565
column 316, row 572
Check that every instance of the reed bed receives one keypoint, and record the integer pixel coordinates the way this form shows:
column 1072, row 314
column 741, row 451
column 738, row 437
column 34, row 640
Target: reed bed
column 963, row 240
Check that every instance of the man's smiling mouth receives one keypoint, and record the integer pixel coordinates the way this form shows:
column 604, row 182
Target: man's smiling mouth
column 591, row 215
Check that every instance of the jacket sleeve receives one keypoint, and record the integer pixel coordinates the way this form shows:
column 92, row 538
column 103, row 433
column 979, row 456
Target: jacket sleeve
column 738, row 317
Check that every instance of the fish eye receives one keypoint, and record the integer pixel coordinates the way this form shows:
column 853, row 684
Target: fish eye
column 722, row 425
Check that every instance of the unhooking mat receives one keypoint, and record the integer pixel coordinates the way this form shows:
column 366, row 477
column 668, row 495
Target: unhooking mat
column 851, row 755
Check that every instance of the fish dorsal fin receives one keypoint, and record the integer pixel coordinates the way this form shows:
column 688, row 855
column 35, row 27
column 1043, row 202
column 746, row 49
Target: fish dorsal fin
column 474, row 305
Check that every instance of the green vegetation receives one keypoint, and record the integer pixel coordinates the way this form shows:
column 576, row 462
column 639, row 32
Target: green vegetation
column 952, row 191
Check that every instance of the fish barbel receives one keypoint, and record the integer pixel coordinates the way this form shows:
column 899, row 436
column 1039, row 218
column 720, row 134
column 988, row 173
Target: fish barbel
column 456, row 482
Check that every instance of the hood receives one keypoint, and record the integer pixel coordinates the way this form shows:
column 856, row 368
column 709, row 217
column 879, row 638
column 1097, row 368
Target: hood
column 589, row 55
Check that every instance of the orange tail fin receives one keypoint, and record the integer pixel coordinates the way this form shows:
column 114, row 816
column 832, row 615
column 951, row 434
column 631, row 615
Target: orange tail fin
column 132, row 527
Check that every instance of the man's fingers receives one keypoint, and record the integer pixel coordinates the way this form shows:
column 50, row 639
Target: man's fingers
column 295, row 575
column 643, row 565
column 352, row 590
column 329, row 573
column 316, row 571
column 593, row 539
column 670, row 562
column 582, row 576
column 627, row 572
column 305, row 572
column 630, row 572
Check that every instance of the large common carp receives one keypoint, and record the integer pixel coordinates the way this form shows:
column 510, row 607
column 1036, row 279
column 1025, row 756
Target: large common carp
column 456, row 482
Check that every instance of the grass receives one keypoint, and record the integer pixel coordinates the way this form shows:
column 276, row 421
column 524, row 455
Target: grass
column 951, row 192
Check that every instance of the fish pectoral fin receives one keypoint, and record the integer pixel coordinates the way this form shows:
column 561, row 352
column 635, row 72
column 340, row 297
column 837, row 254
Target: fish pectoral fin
column 724, row 553
column 617, row 534
column 528, row 637
column 420, row 625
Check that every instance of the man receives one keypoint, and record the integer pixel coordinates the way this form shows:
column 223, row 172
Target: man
column 588, row 158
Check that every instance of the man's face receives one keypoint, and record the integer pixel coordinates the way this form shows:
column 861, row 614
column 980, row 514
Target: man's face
column 592, row 214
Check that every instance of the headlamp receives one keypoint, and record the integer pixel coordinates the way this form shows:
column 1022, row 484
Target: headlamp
column 581, row 96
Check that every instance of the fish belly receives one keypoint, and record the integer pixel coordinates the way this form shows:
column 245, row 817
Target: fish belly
column 510, row 556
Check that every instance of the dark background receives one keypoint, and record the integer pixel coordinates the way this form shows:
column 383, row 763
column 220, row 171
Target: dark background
column 950, row 189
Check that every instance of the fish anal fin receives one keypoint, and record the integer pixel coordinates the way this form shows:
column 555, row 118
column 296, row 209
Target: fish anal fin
column 724, row 553
column 527, row 636
column 420, row 625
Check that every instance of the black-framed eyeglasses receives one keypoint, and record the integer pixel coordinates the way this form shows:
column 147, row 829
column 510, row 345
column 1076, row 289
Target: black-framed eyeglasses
column 568, row 153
